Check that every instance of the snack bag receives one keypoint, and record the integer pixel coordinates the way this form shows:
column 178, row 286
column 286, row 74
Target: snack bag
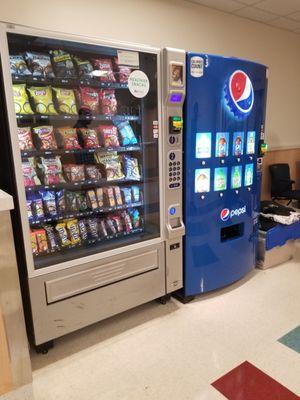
column 61, row 201
column 135, row 218
column 62, row 234
column 92, row 199
column 41, row 239
column 37, row 206
column 52, row 241
column 127, row 221
column 25, row 138
column 84, row 67
column 45, row 137
column 72, row 226
column 88, row 98
column 39, row 64
column 67, row 138
column 49, row 203
column 131, row 168
column 29, row 210
column 127, row 135
column 109, row 196
column 102, row 229
column 63, row 64
column 104, row 65
column 71, row 201
column 126, row 193
column 42, row 99
column 66, row 101
column 29, row 173
column 89, row 138
column 111, row 229
column 74, row 172
column 22, row 105
column 112, row 165
column 92, row 225
column 109, row 135
column 123, row 71
column 82, row 229
column 108, row 101
column 117, row 222
column 99, row 196
column 118, row 196
column 92, row 172
column 52, row 170
column 34, row 245
column 136, row 193
column 81, row 201
column 18, row 65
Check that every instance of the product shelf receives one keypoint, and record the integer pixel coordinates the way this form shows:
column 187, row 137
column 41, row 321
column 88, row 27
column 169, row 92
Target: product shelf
column 41, row 118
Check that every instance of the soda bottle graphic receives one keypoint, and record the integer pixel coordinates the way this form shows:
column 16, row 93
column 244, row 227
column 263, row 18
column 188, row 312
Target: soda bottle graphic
column 251, row 143
column 238, row 146
column 222, row 147
column 236, row 178
column 220, row 183
column 248, row 177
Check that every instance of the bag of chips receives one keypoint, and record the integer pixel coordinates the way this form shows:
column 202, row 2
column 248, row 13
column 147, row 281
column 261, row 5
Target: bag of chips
column 18, row 65
column 52, row 170
column 88, row 98
column 49, row 203
column 66, row 100
column 34, row 245
column 25, row 138
column 131, row 168
column 104, row 65
column 29, row 210
column 62, row 234
column 41, row 239
column 127, row 135
column 124, row 73
column 73, row 229
column 74, row 172
column 29, row 173
column 108, row 101
column 92, row 225
column 111, row 229
column 127, row 221
column 45, row 137
column 92, row 172
column 22, row 105
column 92, row 199
column 67, row 138
column 37, row 207
column 135, row 217
column 63, row 64
column 53, row 244
column 99, row 196
column 61, row 201
column 39, row 64
column 102, row 229
column 89, row 138
column 109, row 135
column 136, row 193
column 126, row 193
column 82, row 229
column 42, row 99
column 109, row 196
column 81, row 201
column 117, row 223
column 71, row 202
column 84, row 67
column 112, row 165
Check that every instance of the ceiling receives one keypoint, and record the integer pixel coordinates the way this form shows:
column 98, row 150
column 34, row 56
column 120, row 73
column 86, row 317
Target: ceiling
column 284, row 14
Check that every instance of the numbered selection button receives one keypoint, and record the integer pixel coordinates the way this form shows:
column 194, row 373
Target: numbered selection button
column 172, row 156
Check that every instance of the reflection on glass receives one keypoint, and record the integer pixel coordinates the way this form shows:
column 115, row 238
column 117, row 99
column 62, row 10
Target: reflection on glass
column 220, row 180
column 238, row 144
column 251, row 142
column 202, row 180
column 236, row 177
column 248, row 174
column 222, row 143
column 203, row 145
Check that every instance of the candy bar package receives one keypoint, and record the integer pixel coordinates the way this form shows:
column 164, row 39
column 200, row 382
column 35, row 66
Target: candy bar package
column 29, row 210
column 100, row 198
column 92, row 172
column 39, row 64
column 109, row 196
column 49, row 202
column 37, row 207
column 136, row 193
column 108, row 102
column 112, row 165
column 102, row 229
column 73, row 229
column 127, row 221
column 66, row 100
column 131, row 168
column 135, row 217
column 29, row 173
column 45, row 138
column 88, row 98
column 92, row 225
column 105, row 65
column 52, row 241
column 62, row 234
column 117, row 223
column 111, row 229
column 127, row 135
column 84, row 67
column 42, row 99
column 82, row 229
column 118, row 196
column 89, row 138
column 41, row 239
column 126, row 194
column 92, row 199
column 109, row 135
column 61, row 201
column 25, row 138
column 71, row 202
column 34, row 245
column 63, row 64
column 18, row 65
column 21, row 101
column 81, row 201
column 52, row 170
column 74, row 172
column 67, row 138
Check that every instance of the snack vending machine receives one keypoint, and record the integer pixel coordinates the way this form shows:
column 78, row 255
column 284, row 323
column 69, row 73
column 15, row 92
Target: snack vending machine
column 86, row 136
column 223, row 148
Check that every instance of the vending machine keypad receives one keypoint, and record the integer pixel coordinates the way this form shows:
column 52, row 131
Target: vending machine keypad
column 174, row 169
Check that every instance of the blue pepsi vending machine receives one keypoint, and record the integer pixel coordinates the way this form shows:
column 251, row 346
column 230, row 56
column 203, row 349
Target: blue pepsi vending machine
column 224, row 118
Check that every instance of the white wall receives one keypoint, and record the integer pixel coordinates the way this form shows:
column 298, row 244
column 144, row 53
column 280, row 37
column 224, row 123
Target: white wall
column 181, row 24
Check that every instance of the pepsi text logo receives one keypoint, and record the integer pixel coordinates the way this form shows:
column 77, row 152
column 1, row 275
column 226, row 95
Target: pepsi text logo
column 227, row 214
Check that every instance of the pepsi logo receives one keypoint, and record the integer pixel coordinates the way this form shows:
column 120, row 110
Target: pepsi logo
column 225, row 214
column 239, row 94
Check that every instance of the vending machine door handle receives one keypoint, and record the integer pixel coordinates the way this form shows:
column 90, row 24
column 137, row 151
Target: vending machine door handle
column 175, row 232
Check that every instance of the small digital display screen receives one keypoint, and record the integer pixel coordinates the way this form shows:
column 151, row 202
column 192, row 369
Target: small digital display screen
column 203, row 144
column 202, row 180
column 238, row 144
column 175, row 97
column 222, row 142
column 248, row 180
column 236, row 177
column 220, row 180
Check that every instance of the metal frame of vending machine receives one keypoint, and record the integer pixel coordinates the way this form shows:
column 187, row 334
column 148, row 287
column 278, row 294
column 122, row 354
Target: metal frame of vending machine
column 76, row 292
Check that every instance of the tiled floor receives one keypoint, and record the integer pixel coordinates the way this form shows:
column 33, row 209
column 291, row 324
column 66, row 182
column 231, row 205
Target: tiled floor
column 177, row 351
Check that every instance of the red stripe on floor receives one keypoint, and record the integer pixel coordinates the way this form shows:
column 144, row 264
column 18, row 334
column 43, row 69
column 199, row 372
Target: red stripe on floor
column 246, row 382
